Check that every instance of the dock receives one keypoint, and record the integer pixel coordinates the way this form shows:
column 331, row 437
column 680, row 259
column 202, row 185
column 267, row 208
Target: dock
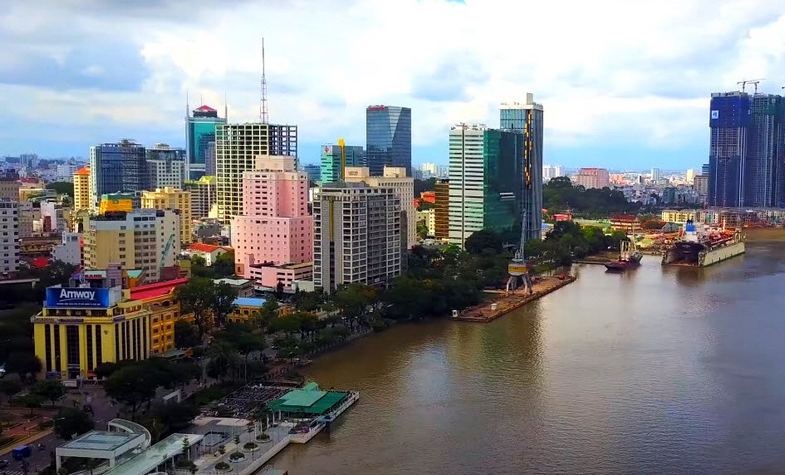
column 505, row 303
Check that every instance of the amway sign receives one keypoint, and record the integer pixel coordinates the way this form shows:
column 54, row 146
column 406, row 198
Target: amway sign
column 65, row 297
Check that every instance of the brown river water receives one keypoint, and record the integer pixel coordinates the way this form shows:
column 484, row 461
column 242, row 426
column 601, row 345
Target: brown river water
column 659, row 370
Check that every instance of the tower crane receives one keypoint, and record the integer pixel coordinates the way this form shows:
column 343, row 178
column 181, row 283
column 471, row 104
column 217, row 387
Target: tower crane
column 743, row 83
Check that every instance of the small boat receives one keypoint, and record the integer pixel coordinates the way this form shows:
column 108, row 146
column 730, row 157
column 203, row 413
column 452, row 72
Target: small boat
column 629, row 258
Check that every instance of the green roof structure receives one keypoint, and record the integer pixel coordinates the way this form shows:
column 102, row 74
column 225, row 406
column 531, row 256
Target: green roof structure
column 308, row 401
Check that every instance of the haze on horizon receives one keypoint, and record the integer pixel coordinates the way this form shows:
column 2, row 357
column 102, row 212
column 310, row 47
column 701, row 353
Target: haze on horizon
column 625, row 85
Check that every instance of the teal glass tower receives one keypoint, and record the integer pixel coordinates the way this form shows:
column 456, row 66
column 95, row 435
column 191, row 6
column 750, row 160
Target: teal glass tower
column 200, row 140
column 331, row 161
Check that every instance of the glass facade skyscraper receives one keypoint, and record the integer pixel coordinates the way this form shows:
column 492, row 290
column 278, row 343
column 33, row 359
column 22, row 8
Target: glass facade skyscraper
column 747, row 150
column 200, row 139
column 331, row 161
column 388, row 138
column 117, row 167
column 486, row 181
column 526, row 119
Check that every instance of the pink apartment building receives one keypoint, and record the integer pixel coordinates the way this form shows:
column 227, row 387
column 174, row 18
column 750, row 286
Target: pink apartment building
column 275, row 229
column 593, row 178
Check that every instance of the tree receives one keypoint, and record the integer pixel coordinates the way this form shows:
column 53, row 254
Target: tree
column 353, row 300
column 409, row 298
column 131, row 385
column 70, row 421
column 62, row 188
column 10, row 387
column 223, row 359
column 196, row 297
column 481, row 240
column 185, row 335
column 49, row 390
column 422, row 229
column 223, row 301
column 23, row 364
column 224, row 265
column 31, row 401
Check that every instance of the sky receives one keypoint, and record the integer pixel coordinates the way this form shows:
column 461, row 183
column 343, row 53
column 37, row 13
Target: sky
column 624, row 84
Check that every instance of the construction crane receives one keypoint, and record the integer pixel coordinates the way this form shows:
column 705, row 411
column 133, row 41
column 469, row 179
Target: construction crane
column 342, row 145
column 755, row 82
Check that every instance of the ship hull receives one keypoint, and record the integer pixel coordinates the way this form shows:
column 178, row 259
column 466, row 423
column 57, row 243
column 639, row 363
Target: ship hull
column 692, row 254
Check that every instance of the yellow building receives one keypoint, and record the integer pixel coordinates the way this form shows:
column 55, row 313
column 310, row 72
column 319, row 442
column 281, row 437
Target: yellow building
column 245, row 308
column 145, row 239
column 82, row 190
column 80, row 328
column 677, row 216
column 112, row 202
column 172, row 199
column 159, row 299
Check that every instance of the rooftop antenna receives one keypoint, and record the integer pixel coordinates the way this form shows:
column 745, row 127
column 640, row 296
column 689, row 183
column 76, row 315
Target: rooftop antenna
column 263, row 105
column 226, row 109
column 187, row 107
column 201, row 100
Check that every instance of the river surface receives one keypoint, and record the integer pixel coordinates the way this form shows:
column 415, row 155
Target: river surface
column 659, row 370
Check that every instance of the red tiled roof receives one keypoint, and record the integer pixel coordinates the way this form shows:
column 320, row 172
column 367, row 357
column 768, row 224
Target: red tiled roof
column 39, row 262
column 149, row 291
column 205, row 109
column 202, row 247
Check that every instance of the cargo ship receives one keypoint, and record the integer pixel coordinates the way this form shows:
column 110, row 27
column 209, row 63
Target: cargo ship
column 700, row 246
column 629, row 258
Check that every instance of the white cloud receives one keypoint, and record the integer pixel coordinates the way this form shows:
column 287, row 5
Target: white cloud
column 605, row 70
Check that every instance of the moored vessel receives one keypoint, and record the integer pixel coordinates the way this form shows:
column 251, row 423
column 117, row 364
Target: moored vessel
column 701, row 246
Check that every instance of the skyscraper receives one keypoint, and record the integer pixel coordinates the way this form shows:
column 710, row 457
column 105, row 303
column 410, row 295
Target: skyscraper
column 357, row 232
column 82, row 190
column 117, row 167
column 175, row 200
column 527, row 119
column 388, row 138
column 9, row 237
column 236, row 148
column 331, row 161
column 200, row 138
column 166, row 167
column 746, row 150
column 486, row 181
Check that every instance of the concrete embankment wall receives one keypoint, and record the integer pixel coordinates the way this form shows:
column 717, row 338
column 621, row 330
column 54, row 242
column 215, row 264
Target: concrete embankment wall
column 725, row 252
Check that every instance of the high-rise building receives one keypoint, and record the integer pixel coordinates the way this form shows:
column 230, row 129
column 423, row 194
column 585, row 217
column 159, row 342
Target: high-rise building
column 9, row 237
column 747, row 150
column 388, row 138
column 82, row 200
column 202, row 196
column 236, row 148
column 701, row 186
column 145, row 239
column 486, row 180
column 117, row 167
column 357, row 233
column 69, row 250
column 275, row 227
column 166, row 167
column 331, row 161
column 593, row 178
column 175, row 200
column 9, row 186
column 550, row 172
column 395, row 178
column 442, row 209
column 200, row 128
column 654, row 175
column 314, row 172
column 526, row 119
column 690, row 176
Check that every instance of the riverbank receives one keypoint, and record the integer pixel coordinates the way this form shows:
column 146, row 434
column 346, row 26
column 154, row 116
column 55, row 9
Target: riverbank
column 764, row 234
column 504, row 303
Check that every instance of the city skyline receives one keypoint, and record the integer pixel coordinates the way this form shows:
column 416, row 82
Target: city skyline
column 606, row 106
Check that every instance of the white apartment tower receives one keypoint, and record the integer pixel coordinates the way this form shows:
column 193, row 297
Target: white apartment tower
column 466, row 181
column 356, row 235
column 395, row 178
column 9, row 237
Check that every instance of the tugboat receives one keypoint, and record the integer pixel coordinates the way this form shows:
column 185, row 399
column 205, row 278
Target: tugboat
column 629, row 257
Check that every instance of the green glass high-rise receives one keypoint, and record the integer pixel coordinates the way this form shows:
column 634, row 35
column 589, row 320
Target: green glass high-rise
column 331, row 161
column 486, row 181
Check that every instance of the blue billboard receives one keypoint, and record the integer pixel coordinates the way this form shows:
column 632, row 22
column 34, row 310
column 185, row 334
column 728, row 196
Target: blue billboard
column 76, row 297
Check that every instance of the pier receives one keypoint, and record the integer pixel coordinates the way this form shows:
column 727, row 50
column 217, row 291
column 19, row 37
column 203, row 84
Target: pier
column 507, row 302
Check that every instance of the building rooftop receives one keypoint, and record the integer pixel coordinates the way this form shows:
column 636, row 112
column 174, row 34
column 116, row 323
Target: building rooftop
column 308, row 400
column 153, row 456
column 232, row 282
column 250, row 302
column 202, row 247
column 83, row 171
column 100, row 440
column 157, row 289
